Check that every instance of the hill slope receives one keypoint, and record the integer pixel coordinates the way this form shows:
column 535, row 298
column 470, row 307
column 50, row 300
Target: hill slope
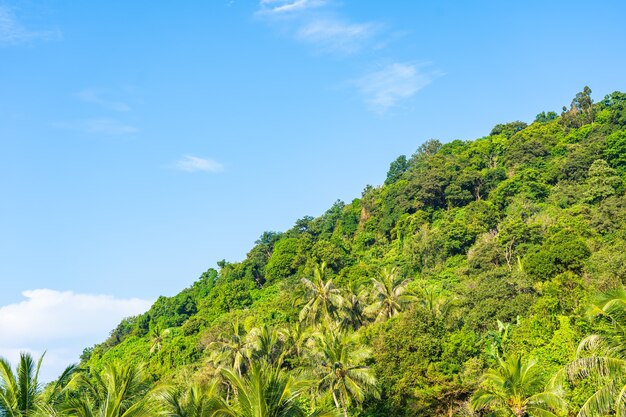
column 504, row 240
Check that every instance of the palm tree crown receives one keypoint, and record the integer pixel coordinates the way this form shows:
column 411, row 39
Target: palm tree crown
column 120, row 390
column 389, row 295
column 267, row 391
column 514, row 389
column 340, row 362
column 602, row 358
column 233, row 351
column 20, row 392
column 324, row 299
column 194, row 401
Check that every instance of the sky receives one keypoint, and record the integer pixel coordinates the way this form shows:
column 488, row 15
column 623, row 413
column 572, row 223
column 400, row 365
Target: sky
column 141, row 142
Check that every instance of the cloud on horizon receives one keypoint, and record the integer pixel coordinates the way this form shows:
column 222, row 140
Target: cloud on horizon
column 12, row 32
column 190, row 163
column 61, row 323
column 387, row 87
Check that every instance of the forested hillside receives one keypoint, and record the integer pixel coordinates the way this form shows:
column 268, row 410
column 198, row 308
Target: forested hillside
column 463, row 285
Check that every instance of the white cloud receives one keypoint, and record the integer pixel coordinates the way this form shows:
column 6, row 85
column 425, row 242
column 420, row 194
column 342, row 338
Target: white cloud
column 95, row 97
column 99, row 126
column 335, row 35
column 317, row 23
column 57, row 315
column 12, row 32
column 191, row 163
column 289, row 6
column 61, row 323
column 385, row 88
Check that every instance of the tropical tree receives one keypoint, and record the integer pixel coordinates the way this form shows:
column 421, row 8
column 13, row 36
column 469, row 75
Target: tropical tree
column 324, row 299
column 267, row 391
column 21, row 394
column 339, row 360
column 194, row 401
column 602, row 358
column 514, row 389
column 499, row 339
column 297, row 337
column 267, row 344
column 234, row 350
column 390, row 295
column 356, row 301
column 120, row 390
column 157, row 339
column 435, row 302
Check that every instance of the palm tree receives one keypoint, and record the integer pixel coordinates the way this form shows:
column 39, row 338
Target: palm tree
column 195, row 401
column 233, row 351
column 267, row 391
column 21, row 394
column 120, row 390
column 158, row 338
column 514, row 390
column 324, row 299
column 389, row 295
column 339, row 359
column 356, row 301
column 602, row 358
column 296, row 338
column 435, row 302
column 267, row 344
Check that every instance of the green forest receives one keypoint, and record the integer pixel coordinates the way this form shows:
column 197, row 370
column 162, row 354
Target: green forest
column 483, row 278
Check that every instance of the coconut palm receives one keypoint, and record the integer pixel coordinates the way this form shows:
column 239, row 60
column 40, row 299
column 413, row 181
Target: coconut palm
column 120, row 390
column 339, row 360
column 194, row 401
column 267, row 391
column 356, row 300
column 267, row 344
column 324, row 300
column 157, row 339
column 297, row 338
column 20, row 392
column 602, row 358
column 515, row 390
column 234, row 350
column 437, row 304
column 390, row 295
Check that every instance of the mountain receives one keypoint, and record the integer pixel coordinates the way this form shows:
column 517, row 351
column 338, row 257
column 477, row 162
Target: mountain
column 470, row 253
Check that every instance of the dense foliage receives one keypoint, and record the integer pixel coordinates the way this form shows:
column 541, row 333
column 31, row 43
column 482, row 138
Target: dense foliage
column 460, row 287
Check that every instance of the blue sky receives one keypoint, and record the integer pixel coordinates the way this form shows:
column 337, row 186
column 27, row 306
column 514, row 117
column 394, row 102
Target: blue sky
column 141, row 142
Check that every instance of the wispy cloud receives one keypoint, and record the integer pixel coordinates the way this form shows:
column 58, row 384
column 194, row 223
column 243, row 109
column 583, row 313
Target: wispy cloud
column 99, row 126
column 96, row 97
column 321, row 24
column 385, row 88
column 61, row 322
column 317, row 23
column 13, row 32
column 191, row 163
column 289, row 6
column 335, row 35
